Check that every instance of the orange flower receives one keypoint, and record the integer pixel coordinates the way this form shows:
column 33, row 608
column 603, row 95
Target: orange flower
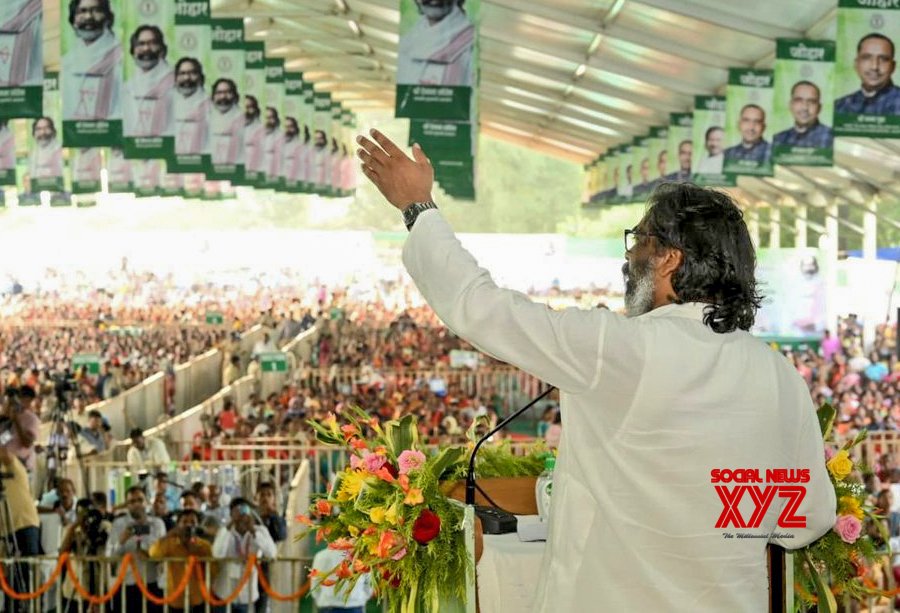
column 381, row 450
column 323, row 507
column 328, row 582
column 343, row 571
column 359, row 567
column 370, row 531
column 385, row 475
column 388, row 540
column 404, row 482
column 358, row 443
column 349, row 431
column 414, row 497
column 341, row 544
column 314, row 572
column 304, row 519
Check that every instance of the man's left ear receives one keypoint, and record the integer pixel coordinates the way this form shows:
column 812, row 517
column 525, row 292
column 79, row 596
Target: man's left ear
column 669, row 262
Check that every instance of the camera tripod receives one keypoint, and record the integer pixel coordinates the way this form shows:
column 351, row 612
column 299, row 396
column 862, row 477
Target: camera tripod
column 63, row 436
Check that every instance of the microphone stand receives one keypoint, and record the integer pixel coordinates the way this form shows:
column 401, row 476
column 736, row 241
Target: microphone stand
column 470, row 474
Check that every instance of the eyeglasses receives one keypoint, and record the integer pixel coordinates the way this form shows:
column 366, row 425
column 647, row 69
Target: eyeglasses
column 631, row 238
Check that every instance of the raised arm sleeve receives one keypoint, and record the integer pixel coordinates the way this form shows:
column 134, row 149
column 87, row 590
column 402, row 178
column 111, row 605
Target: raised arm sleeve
column 559, row 347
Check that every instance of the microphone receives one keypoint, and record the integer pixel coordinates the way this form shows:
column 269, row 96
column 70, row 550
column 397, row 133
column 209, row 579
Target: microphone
column 494, row 521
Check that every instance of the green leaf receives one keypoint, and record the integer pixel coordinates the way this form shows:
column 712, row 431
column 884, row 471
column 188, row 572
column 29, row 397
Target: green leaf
column 401, row 435
column 826, row 415
column 446, row 458
column 827, row 602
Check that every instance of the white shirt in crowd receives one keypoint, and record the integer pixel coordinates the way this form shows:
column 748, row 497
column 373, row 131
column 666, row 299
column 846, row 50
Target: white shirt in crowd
column 153, row 455
column 650, row 406
column 115, row 549
column 230, row 544
column 328, row 595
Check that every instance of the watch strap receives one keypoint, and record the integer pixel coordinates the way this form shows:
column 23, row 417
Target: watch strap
column 411, row 213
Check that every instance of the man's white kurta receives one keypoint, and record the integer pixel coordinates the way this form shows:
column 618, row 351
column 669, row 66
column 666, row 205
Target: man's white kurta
column 650, row 405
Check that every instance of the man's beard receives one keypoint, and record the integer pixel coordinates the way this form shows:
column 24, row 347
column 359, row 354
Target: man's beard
column 44, row 141
column 639, row 288
column 436, row 12
column 186, row 89
column 90, row 33
column 146, row 61
column 223, row 107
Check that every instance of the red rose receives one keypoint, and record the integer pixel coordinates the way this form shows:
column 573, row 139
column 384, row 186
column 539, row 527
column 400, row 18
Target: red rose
column 427, row 527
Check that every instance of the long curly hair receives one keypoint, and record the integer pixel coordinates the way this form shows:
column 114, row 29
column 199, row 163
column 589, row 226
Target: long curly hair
column 719, row 265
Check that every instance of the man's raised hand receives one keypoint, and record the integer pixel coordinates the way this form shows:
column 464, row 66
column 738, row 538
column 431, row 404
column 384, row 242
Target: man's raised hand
column 400, row 179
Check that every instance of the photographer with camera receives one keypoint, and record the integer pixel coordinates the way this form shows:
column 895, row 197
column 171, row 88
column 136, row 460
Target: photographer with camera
column 19, row 522
column 86, row 537
column 182, row 541
column 243, row 537
column 19, row 426
column 135, row 533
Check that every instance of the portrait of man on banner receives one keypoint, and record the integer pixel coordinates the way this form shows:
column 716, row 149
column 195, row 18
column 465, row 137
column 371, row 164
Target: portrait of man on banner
column 293, row 147
column 438, row 49
column 272, row 144
column 712, row 162
column 7, row 148
column 120, row 174
column 46, row 160
column 321, row 157
column 685, row 155
column 254, row 135
column 875, row 63
column 226, row 124
column 21, row 47
column 87, row 165
column 805, row 106
column 191, row 107
column 92, row 67
column 753, row 146
column 148, row 93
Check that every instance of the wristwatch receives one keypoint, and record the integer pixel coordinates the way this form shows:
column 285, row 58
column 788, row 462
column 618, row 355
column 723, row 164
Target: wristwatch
column 411, row 213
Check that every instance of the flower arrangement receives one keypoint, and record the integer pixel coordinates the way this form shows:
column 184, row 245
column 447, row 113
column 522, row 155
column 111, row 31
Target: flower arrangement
column 839, row 561
column 393, row 520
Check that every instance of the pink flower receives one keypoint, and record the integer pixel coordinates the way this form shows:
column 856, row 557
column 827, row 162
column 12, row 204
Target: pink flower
column 399, row 555
column 355, row 462
column 410, row 460
column 848, row 528
column 829, row 453
column 372, row 462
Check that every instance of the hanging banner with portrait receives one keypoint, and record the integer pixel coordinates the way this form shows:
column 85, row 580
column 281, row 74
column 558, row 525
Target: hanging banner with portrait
column 254, row 97
column 437, row 59
column 680, row 140
column 226, row 124
column 147, row 177
column 748, row 107
column 45, row 154
column 273, row 140
column 709, row 142
column 306, row 124
column 120, row 179
column 657, row 155
column 149, row 79
column 867, row 102
column 641, row 182
column 293, row 136
column 86, row 164
column 21, row 58
column 191, row 105
column 320, row 171
column 8, row 150
column 91, row 75
column 803, row 105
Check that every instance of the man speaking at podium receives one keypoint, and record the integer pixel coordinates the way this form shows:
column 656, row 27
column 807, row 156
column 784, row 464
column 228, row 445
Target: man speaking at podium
column 653, row 403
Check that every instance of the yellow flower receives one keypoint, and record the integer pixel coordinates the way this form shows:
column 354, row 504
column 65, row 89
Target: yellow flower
column 353, row 530
column 413, row 497
column 376, row 514
column 840, row 465
column 351, row 484
column 848, row 505
column 392, row 516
